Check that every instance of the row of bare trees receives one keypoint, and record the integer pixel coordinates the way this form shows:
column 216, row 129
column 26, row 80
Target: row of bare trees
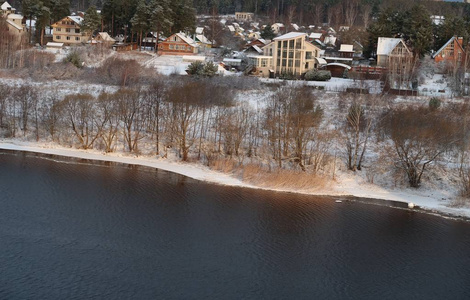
column 200, row 120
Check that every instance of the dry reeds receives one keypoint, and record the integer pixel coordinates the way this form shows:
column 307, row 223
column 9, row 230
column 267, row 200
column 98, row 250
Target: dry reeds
column 263, row 176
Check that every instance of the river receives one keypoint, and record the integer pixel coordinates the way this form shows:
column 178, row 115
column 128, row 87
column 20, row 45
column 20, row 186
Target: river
column 72, row 229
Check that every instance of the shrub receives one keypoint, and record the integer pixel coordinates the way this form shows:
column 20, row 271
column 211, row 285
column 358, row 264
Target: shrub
column 317, row 75
column 434, row 103
column 74, row 58
column 195, row 68
column 199, row 68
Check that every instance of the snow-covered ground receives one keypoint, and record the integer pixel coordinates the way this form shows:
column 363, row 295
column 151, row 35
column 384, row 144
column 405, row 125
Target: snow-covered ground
column 346, row 184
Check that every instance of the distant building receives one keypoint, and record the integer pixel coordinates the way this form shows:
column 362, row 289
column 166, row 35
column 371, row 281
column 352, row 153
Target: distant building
column 178, row 44
column 68, row 31
column 277, row 28
column 393, row 54
column 452, row 52
column 244, row 16
column 290, row 53
column 7, row 8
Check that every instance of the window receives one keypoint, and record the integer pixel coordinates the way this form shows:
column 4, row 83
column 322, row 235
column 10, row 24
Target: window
column 58, row 37
column 68, row 38
column 77, row 38
column 189, row 48
column 67, row 29
column 57, row 29
column 77, row 30
column 284, row 44
column 291, row 44
column 279, row 44
column 72, row 23
column 308, row 55
column 172, row 47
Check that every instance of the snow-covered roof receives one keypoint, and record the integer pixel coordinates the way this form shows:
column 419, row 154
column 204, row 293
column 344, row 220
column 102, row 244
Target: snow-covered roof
column 295, row 26
column 186, row 39
column 330, row 40
column 7, row 6
column 199, row 30
column 315, row 35
column 346, row 48
column 386, row 45
column 290, row 35
column 321, row 61
column 54, row 45
column 231, row 28
column 235, row 60
column 451, row 40
column 15, row 17
column 263, row 41
column 104, row 36
column 76, row 19
column 337, row 58
column 320, row 42
column 203, row 39
column 340, row 65
column 256, row 48
column 278, row 24
column 14, row 25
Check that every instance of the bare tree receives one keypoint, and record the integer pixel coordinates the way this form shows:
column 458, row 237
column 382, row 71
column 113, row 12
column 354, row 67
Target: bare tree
column 419, row 136
column 130, row 107
column 108, row 117
column 366, row 14
column 318, row 13
column 350, row 11
column 356, row 132
column 184, row 99
column 80, row 112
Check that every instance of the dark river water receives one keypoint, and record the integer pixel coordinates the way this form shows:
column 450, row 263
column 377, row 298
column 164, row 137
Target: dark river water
column 72, row 230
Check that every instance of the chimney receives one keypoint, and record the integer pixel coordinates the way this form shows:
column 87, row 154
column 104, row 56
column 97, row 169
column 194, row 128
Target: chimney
column 460, row 40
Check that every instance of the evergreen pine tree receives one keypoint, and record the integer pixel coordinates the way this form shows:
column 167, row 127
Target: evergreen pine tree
column 140, row 20
column 267, row 32
column 91, row 21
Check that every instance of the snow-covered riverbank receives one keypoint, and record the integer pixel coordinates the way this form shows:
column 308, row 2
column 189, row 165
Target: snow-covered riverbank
column 346, row 184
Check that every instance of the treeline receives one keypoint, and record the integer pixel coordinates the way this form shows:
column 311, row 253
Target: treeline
column 199, row 119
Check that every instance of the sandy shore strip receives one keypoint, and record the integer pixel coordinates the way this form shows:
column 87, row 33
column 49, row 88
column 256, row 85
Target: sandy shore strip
column 346, row 184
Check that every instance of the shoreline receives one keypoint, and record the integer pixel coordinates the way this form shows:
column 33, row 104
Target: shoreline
column 347, row 186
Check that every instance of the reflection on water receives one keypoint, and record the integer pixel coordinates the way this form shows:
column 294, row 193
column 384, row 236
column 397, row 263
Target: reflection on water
column 77, row 230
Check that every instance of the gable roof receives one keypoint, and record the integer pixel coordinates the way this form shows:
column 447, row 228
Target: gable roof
column 104, row 36
column 186, row 39
column 451, row 40
column 315, row 35
column 202, row 38
column 7, row 6
column 290, row 35
column 76, row 19
column 14, row 25
column 386, row 45
column 199, row 30
column 346, row 48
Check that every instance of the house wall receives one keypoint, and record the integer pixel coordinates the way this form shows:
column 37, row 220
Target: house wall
column 68, row 32
column 175, row 45
column 293, row 56
column 452, row 53
column 244, row 16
